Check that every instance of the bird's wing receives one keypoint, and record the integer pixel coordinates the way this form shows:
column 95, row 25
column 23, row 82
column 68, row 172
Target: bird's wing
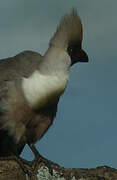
column 21, row 65
column 12, row 70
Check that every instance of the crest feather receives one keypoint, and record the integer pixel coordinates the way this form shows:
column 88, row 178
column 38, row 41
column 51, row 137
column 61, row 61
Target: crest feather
column 68, row 30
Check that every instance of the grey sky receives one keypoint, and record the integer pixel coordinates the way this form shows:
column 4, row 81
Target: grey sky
column 85, row 130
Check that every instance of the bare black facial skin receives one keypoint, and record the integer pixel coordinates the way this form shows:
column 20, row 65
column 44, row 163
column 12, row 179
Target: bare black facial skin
column 76, row 53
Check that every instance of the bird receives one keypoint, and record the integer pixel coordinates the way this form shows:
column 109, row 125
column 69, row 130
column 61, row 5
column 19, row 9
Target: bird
column 31, row 86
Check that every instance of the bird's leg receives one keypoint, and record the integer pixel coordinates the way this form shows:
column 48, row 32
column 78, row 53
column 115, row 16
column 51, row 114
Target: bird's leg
column 28, row 163
column 35, row 152
column 37, row 155
column 39, row 158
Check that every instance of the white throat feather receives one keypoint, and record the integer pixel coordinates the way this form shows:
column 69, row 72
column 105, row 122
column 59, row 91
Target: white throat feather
column 40, row 90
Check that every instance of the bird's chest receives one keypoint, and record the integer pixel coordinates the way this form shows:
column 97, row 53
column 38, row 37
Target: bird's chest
column 41, row 90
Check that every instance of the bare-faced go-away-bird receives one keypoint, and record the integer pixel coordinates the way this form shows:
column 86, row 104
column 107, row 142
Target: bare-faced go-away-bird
column 31, row 85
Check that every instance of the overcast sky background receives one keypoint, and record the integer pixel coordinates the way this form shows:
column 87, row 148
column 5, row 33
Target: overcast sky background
column 84, row 133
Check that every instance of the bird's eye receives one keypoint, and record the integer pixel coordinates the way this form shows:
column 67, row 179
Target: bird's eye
column 70, row 50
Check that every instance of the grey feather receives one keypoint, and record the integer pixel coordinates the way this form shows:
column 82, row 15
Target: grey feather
column 11, row 72
column 18, row 66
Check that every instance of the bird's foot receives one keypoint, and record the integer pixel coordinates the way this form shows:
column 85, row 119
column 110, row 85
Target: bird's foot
column 26, row 162
column 21, row 163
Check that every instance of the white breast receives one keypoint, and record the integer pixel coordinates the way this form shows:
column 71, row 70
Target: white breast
column 40, row 89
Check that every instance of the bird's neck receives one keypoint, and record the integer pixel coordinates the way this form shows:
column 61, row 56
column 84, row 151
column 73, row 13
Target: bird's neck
column 55, row 60
column 48, row 82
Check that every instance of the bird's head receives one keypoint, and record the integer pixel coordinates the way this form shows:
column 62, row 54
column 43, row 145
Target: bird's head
column 76, row 53
column 69, row 37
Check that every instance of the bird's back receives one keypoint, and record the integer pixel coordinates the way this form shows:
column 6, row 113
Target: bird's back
column 21, row 65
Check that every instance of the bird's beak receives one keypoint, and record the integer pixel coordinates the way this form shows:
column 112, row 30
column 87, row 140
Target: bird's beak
column 83, row 57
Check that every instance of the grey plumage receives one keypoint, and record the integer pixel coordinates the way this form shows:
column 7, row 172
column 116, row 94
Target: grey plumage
column 31, row 85
column 11, row 70
column 23, row 64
